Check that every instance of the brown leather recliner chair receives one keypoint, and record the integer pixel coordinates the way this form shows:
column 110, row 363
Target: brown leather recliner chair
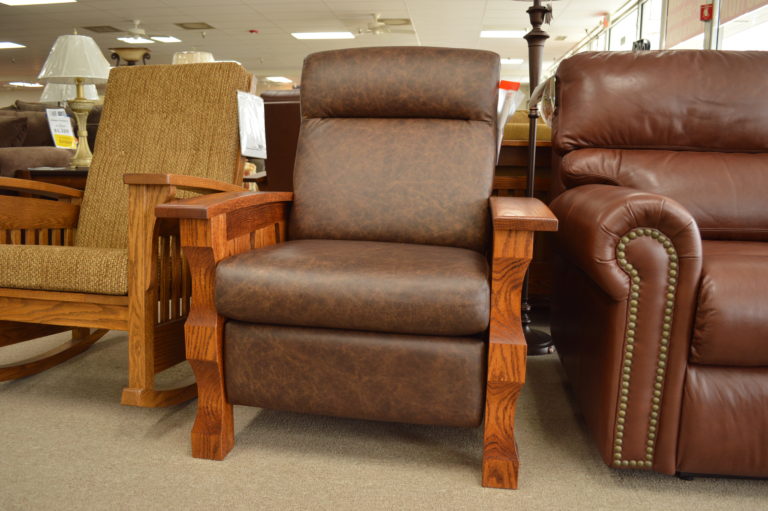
column 660, row 314
column 381, row 305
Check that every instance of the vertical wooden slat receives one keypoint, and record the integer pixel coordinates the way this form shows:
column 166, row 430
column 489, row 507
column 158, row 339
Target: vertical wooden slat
column 16, row 236
column 164, row 282
column 69, row 237
column 55, row 236
column 30, row 237
column 186, row 286
column 176, row 277
column 3, row 236
column 44, row 237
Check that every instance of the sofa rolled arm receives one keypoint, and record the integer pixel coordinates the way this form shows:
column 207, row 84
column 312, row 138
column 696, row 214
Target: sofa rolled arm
column 644, row 251
column 596, row 219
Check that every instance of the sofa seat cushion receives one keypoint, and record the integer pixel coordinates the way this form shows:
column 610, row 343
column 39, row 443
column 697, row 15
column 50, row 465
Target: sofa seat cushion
column 358, row 285
column 731, row 326
column 55, row 268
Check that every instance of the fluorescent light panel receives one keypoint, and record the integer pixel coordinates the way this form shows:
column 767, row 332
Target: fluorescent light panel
column 36, row 2
column 7, row 45
column 166, row 39
column 512, row 61
column 25, row 84
column 135, row 40
column 502, row 34
column 323, row 35
column 279, row 79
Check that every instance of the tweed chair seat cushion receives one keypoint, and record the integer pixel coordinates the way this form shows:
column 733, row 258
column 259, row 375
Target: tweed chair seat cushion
column 55, row 268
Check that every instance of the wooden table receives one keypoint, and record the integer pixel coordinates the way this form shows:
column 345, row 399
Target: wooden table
column 56, row 175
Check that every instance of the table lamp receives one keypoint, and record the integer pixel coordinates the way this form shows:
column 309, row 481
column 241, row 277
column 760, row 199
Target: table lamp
column 77, row 59
column 61, row 92
column 539, row 343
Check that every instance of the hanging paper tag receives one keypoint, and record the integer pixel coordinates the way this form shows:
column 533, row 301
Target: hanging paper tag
column 253, row 137
column 61, row 128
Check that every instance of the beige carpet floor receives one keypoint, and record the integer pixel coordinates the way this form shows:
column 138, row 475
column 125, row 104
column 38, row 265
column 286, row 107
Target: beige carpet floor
column 66, row 443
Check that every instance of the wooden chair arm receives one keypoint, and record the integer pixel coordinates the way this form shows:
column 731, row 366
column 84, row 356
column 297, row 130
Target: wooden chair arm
column 193, row 183
column 521, row 214
column 39, row 188
column 209, row 206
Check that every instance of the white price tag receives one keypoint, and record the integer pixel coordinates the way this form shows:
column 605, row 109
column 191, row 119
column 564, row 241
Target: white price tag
column 61, row 128
column 253, row 136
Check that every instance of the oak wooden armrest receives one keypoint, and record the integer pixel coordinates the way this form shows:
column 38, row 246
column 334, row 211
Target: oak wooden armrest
column 522, row 214
column 209, row 206
column 39, row 188
column 192, row 183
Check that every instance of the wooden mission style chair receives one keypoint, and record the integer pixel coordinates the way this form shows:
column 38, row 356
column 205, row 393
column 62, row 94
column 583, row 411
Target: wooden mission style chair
column 366, row 293
column 108, row 263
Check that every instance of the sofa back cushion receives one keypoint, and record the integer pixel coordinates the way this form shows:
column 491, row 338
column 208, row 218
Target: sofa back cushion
column 689, row 125
column 13, row 131
column 38, row 133
column 396, row 144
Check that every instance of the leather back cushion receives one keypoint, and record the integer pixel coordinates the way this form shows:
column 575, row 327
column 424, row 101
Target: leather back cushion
column 396, row 144
column 724, row 192
column 680, row 100
column 689, row 125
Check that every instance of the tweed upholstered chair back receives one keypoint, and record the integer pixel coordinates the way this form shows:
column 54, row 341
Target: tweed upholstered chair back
column 396, row 144
column 160, row 119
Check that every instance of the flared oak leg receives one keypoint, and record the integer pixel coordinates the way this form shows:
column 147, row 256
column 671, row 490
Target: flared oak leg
column 507, row 352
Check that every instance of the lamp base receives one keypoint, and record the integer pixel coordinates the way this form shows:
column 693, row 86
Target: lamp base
column 539, row 343
column 81, row 107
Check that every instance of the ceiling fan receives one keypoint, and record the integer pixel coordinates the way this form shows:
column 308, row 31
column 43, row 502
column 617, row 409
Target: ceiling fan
column 379, row 26
column 138, row 35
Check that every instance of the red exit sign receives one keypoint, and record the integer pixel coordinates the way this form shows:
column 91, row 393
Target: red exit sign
column 705, row 14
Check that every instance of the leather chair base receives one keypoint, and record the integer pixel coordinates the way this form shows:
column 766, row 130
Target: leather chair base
column 361, row 375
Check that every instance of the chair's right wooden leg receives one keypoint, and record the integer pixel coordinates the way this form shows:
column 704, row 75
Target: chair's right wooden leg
column 500, row 459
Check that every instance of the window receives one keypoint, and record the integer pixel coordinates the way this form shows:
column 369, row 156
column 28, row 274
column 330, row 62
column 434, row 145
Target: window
column 650, row 26
column 623, row 33
column 747, row 32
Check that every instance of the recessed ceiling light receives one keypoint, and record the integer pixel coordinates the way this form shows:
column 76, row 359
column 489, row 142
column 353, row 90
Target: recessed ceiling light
column 35, row 2
column 25, row 84
column 194, row 25
column 512, row 61
column 166, row 39
column 135, row 40
column 103, row 29
column 561, row 38
column 323, row 35
column 7, row 45
column 279, row 79
column 502, row 34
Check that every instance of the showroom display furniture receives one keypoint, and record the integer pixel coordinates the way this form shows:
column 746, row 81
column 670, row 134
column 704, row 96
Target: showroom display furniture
column 30, row 145
column 282, row 118
column 366, row 293
column 660, row 313
column 108, row 263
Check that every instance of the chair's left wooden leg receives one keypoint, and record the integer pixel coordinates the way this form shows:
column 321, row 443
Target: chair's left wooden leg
column 507, row 353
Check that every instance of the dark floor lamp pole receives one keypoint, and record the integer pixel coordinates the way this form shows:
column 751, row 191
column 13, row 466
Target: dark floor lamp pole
column 539, row 343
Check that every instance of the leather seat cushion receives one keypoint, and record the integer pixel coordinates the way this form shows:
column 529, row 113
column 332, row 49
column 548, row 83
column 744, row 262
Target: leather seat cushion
column 362, row 375
column 731, row 326
column 358, row 285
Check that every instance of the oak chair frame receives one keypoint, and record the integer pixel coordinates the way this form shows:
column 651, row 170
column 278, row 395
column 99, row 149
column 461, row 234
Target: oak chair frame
column 218, row 226
column 155, row 308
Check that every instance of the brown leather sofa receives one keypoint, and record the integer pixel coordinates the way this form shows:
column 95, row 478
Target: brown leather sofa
column 660, row 313
column 381, row 304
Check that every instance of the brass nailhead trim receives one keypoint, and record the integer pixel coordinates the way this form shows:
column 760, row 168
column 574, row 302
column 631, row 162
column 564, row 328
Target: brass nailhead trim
column 629, row 341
